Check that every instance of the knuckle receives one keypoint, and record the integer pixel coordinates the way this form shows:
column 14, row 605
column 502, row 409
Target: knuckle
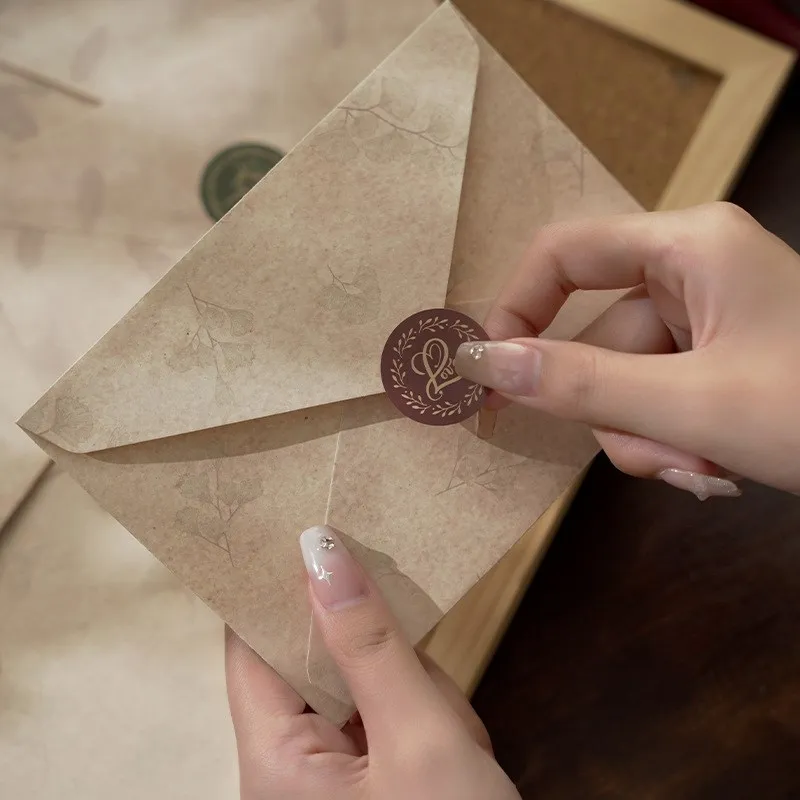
column 547, row 245
column 727, row 216
column 545, row 237
column 368, row 644
column 575, row 386
column 709, row 235
column 272, row 756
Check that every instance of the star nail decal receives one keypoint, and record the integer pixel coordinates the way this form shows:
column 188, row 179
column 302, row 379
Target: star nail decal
column 323, row 574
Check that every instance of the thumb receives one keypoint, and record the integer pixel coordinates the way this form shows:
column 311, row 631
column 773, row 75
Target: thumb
column 386, row 679
column 662, row 397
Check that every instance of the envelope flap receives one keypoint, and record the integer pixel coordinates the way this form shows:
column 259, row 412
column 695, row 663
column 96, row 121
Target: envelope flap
column 286, row 303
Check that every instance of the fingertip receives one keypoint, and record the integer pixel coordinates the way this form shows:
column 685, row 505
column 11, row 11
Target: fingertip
column 645, row 458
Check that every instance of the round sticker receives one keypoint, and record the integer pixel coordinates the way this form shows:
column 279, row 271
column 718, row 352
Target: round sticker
column 232, row 173
column 417, row 367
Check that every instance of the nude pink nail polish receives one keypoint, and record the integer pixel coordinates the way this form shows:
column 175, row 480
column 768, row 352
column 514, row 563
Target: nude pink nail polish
column 336, row 579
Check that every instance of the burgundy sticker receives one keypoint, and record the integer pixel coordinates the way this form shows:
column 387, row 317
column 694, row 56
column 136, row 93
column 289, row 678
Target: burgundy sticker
column 417, row 367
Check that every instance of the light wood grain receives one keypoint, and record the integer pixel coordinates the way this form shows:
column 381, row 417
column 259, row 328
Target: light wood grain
column 464, row 642
column 753, row 71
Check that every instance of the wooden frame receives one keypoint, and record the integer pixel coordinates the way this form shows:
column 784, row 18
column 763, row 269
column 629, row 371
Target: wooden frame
column 753, row 71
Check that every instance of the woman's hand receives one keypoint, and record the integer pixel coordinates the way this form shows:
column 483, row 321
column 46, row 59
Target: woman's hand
column 417, row 737
column 694, row 375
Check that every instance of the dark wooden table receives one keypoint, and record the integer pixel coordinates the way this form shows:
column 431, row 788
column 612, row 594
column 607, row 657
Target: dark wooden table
column 657, row 652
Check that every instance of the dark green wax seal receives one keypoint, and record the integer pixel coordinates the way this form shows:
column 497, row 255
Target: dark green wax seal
column 232, row 173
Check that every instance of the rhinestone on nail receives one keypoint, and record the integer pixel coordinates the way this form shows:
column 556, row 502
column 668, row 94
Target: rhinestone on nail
column 477, row 351
column 326, row 543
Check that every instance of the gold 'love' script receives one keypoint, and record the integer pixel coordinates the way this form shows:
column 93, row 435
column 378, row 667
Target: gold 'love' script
column 417, row 367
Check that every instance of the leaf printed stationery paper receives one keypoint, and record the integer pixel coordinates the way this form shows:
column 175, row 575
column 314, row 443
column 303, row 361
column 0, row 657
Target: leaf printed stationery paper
column 151, row 95
column 100, row 632
column 246, row 403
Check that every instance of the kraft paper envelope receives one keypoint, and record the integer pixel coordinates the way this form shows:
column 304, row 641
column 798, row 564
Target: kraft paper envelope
column 240, row 400
column 266, row 71
column 135, row 166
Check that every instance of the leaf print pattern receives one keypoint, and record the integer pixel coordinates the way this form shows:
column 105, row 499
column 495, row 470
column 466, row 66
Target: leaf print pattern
column 355, row 302
column 397, row 97
column 336, row 146
column 379, row 128
column 196, row 487
column 73, row 421
column 29, row 246
column 441, row 124
column 211, row 345
column 479, row 464
column 241, row 322
column 89, row 54
column 387, row 147
column 90, row 198
column 236, row 355
column 17, row 120
column 362, row 126
column 66, row 417
column 213, row 498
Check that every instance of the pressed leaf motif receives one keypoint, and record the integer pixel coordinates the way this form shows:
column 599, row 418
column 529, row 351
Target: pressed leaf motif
column 214, row 496
column 238, row 493
column 202, row 522
column 355, row 302
column 441, row 124
column 73, row 421
column 362, row 126
column 336, row 146
column 379, row 128
column 196, row 487
column 241, row 322
column 387, row 147
column 214, row 345
column 398, row 97
column 477, row 464
column 236, row 355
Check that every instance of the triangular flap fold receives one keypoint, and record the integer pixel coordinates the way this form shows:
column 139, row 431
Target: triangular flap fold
column 286, row 303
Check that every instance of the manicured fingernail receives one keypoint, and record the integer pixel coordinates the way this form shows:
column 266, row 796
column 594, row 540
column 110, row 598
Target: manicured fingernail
column 703, row 486
column 335, row 577
column 507, row 367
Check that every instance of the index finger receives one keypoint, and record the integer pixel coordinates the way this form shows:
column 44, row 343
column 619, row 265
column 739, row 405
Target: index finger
column 606, row 253
column 257, row 695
